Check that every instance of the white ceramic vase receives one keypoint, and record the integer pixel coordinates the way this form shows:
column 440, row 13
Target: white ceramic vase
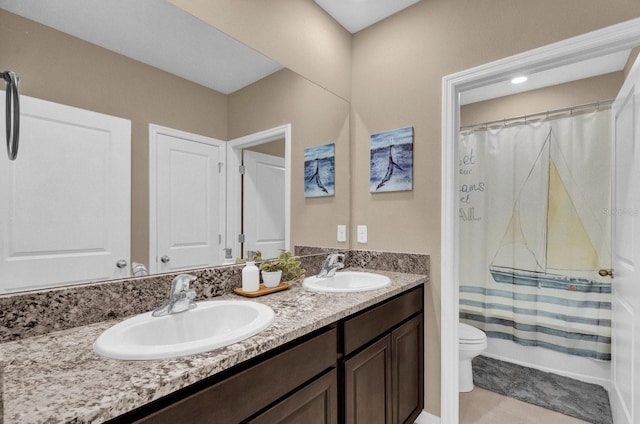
column 271, row 278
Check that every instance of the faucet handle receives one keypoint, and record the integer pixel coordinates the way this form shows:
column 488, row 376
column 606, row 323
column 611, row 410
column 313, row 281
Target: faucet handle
column 181, row 283
column 333, row 257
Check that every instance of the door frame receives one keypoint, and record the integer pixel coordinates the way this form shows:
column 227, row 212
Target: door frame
column 234, row 191
column 590, row 45
column 154, row 132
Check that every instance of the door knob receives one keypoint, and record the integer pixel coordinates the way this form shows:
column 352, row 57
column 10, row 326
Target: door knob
column 605, row 272
column 121, row 263
column 165, row 259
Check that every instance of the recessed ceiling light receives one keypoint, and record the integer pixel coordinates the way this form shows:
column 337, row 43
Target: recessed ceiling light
column 518, row 80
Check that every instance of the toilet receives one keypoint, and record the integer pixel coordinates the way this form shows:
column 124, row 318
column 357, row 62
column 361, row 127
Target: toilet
column 471, row 343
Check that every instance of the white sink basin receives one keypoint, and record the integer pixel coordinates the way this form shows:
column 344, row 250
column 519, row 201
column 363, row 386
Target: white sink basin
column 211, row 325
column 347, row 281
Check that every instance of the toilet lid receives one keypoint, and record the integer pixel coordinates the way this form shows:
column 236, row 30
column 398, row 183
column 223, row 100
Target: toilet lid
column 469, row 334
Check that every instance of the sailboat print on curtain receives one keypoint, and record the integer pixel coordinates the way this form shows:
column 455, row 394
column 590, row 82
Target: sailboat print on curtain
column 546, row 242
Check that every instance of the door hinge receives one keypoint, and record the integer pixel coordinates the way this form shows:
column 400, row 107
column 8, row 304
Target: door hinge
column 220, row 165
column 241, row 169
column 219, row 238
column 240, row 238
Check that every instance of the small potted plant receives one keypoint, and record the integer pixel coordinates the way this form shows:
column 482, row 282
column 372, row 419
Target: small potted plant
column 286, row 267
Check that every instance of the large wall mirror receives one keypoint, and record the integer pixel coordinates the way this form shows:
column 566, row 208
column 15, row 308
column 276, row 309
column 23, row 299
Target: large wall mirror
column 163, row 82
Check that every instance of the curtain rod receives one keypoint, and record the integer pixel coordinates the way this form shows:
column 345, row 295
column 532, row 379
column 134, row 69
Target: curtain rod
column 505, row 121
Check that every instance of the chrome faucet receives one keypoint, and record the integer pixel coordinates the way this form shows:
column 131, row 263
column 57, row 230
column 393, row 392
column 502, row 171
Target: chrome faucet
column 331, row 265
column 180, row 297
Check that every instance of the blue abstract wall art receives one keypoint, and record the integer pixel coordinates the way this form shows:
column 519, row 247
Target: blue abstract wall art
column 392, row 161
column 319, row 171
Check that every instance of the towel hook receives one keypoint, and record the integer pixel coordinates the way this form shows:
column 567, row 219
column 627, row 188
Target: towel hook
column 12, row 113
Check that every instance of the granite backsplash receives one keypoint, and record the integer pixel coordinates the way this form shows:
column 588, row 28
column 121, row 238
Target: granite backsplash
column 40, row 312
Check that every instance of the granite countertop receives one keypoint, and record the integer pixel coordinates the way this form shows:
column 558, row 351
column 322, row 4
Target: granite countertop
column 58, row 378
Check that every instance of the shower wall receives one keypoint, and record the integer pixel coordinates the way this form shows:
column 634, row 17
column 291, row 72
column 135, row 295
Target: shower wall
column 574, row 93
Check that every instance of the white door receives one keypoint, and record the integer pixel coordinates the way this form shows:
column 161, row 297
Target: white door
column 187, row 202
column 65, row 200
column 264, row 203
column 625, row 395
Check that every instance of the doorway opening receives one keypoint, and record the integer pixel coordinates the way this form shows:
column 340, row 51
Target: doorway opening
column 255, row 163
column 588, row 46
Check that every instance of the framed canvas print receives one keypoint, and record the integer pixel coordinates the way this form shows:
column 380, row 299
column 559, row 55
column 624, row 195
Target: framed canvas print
column 391, row 167
column 319, row 171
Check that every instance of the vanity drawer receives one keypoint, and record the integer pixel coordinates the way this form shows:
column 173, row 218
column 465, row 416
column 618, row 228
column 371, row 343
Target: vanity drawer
column 241, row 395
column 370, row 324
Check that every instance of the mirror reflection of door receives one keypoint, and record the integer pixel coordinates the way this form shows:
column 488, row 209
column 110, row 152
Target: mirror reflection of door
column 187, row 210
column 64, row 213
column 263, row 199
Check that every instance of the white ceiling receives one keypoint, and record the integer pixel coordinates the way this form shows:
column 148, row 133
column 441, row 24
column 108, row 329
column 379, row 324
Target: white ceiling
column 156, row 33
column 355, row 15
column 576, row 71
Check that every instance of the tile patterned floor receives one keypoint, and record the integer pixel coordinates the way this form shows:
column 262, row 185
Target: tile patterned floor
column 481, row 406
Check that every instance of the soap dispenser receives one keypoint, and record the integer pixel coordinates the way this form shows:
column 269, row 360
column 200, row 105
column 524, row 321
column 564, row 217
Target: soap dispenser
column 250, row 275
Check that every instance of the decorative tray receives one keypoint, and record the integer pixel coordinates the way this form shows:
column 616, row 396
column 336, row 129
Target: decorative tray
column 262, row 290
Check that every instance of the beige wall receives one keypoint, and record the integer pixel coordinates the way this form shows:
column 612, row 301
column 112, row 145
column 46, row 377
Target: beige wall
column 57, row 67
column 397, row 71
column 273, row 148
column 588, row 90
column 296, row 33
column 317, row 117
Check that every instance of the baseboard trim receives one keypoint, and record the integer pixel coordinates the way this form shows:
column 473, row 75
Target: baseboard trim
column 427, row 418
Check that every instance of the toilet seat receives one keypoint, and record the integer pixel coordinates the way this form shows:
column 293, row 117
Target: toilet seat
column 468, row 335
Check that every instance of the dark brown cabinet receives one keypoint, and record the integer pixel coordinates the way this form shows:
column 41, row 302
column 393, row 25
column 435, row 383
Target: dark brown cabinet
column 384, row 363
column 316, row 403
column 366, row 368
column 367, row 388
column 407, row 370
column 243, row 392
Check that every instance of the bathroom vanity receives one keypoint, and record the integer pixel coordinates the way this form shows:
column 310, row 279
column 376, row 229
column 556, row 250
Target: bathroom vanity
column 327, row 357
column 366, row 368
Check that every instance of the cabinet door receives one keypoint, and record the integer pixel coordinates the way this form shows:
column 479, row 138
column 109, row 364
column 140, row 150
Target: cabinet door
column 313, row 404
column 407, row 369
column 368, row 385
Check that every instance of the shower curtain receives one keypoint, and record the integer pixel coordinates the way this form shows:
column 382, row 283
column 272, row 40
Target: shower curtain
column 535, row 230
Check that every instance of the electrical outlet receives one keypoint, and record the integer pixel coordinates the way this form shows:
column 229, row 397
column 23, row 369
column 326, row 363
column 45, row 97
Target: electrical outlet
column 362, row 233
column 342, row 233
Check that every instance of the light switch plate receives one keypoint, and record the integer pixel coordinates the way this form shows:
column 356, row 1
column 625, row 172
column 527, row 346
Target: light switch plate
column 342, row 233
column 362, row 233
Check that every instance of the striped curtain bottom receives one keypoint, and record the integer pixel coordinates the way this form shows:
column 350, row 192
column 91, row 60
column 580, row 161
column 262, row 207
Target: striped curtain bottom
column 579, row 327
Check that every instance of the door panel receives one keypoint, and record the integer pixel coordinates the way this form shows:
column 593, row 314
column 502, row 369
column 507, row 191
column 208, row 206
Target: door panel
column 66, row 217
column 625, row 394
column 263, row 203
column 189, row 201
column 407, row 371
column 368, row 385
